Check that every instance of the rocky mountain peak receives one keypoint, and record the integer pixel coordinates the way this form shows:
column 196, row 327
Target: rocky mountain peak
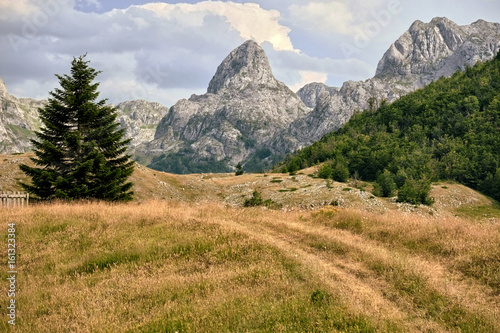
column 438, row 48
column 245, row 65
column 311, row 93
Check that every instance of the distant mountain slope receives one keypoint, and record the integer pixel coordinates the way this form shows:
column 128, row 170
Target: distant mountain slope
column 244, row 106
column 140, row 118
column 18, row 120
column 448, row 130
column 424, row 53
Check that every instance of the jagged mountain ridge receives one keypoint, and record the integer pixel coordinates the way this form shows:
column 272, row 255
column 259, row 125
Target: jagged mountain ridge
column 19, row 119
column 424, row 53
column 247, row 115
column 244, row 106
column 439, row 48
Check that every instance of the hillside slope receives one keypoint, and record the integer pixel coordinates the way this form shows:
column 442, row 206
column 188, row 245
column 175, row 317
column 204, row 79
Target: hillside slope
column 445, row 131
column 289, row 193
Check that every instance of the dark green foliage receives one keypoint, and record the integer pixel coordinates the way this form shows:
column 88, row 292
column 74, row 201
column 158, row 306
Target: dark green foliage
column 239, row 169
column 340, row 172
column 385, row 185
column 491, row 184
column 415, row 192
column 80, row 154
column 325, row 171
column 337, row 171
column 262, row 159
column 183, row 162
column 448, row 130
column 256, row 200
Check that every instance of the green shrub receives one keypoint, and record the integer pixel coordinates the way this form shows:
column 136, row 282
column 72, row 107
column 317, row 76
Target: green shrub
column 239, row 169
column 340, row 172
column 415, row 192
column 385, row 185
column 400, row 178
column 325, row 171
column 255, row 200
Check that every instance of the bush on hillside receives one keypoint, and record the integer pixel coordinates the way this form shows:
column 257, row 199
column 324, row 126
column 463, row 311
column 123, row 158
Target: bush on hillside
column 385, row 185
column 415, row 192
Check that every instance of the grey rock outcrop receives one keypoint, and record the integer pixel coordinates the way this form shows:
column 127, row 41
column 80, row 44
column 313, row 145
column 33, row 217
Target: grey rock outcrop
column 311, row 93
column 18, row 121
column 140, row 118
column 428, row 51
column 244, row 106
column 3, row 89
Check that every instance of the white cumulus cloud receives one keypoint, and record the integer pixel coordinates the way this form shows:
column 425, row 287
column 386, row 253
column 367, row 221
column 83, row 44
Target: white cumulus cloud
column 248, row 19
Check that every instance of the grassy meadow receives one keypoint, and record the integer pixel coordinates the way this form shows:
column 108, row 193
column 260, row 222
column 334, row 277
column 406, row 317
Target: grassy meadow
column 167, row 266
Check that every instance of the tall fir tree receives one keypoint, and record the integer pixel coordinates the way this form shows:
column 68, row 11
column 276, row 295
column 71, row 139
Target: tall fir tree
column 80, row 153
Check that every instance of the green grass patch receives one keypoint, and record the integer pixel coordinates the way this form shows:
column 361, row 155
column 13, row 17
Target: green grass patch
column 479, row 212
column 439, row 307
column 105, row 261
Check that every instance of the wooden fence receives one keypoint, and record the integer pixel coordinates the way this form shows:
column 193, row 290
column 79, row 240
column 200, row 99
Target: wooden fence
column 14, row 199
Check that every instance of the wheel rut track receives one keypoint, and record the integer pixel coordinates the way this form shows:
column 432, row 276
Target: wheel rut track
column 356, row 284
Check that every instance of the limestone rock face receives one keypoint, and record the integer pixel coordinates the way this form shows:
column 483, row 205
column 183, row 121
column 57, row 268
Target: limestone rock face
column 311, row 93
column 428, row 51
column 244, row 106
column 18, row 120
column 246, row 66
column 139, row 119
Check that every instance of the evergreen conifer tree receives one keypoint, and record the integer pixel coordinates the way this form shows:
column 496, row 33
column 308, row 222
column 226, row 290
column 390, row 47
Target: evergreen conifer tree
column 80, row 153
column 239, row 169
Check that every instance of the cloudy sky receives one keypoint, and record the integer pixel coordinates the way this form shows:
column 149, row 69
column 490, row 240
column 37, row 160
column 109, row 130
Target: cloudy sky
column 167, row 50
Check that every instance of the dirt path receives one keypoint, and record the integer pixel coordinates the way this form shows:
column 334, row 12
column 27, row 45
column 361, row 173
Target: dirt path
column 350, row 277
column 347, row 281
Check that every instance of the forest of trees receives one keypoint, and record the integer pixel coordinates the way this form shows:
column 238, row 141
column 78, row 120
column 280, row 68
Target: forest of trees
column 449, row 130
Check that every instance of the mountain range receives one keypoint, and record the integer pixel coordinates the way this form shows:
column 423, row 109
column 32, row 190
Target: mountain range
column 248, row 116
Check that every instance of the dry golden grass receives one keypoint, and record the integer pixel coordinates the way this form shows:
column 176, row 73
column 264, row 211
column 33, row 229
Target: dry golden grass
column 184, row 257
column 161, row 266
